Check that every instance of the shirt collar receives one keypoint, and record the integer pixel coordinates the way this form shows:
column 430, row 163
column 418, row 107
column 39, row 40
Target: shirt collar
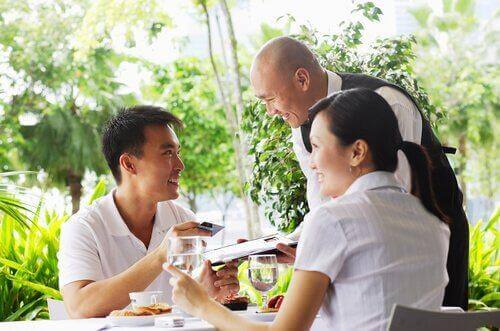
column 334, row 82
column 115, row 223
column 111, row 217
column 375, row 180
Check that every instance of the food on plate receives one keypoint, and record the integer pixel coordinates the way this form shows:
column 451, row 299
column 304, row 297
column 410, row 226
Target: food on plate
column 123, row 312
column 268, row 310
column 235, row 302
column 153, row 309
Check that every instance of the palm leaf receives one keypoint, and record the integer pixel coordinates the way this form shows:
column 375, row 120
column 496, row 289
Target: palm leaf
column 26, row 308
column 494, row 296
column 53, row 293
column 14, row 265
column 99, row 191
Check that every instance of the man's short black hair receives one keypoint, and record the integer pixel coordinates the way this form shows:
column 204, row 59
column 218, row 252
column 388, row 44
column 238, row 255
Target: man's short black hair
column 124, row 133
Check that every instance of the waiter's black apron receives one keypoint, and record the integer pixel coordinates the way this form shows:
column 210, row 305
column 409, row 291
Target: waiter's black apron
column 448, row 195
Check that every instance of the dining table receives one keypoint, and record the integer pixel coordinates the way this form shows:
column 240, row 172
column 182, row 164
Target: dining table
column 101, row 324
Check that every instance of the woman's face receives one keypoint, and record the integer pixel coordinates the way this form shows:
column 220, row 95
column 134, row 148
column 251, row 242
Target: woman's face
column 329, row 159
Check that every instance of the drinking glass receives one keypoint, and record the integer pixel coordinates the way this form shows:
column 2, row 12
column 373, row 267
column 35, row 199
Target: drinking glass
column 184, row 253
column 263, row 273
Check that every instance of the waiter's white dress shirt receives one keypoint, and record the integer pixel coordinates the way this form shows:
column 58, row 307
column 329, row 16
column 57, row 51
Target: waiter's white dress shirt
column 96, row 243
column 410, row 126
column 378, row 246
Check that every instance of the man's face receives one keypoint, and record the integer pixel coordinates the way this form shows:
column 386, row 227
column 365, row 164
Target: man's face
column 158, row 169
column 280, row 95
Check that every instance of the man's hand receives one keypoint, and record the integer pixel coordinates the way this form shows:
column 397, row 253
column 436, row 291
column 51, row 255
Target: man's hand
column 186, row 229
column 287, row 254
column 219, row 284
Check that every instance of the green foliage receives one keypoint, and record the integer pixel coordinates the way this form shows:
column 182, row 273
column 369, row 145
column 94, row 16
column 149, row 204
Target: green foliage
column 457, row 64
column 28, row 260
column 28, row 266
column 277, row 181
column 67, row 98
column 484, row 265
column 207, row 152
column 18, row 210
column 100, row 190
column 106, row 16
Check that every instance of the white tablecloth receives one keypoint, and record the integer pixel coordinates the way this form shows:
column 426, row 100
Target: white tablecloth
column 97, row 323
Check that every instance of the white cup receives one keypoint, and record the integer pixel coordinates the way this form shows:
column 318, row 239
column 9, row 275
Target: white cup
column 140, row 299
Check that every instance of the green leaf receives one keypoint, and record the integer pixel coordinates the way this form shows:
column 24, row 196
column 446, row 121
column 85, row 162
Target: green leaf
column 26, row 308
column 491, row 297
column 14, row 265
column 99, row 191
column 53, row 293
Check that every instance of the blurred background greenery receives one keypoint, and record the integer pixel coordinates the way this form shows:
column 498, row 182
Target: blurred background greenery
column 67, row 65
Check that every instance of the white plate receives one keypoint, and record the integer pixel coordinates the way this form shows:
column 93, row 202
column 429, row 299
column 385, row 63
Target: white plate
column 264, row 317
column 133, row 320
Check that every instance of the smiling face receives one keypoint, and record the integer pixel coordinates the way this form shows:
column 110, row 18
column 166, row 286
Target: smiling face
column 330, row 160
column 157, row 171
column 284, row 95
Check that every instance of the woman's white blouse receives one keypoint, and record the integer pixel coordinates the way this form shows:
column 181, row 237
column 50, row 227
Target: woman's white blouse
column 379, row 246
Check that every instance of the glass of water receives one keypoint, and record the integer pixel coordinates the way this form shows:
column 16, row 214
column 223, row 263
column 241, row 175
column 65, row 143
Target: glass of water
column 184, row 253
column 263, row 273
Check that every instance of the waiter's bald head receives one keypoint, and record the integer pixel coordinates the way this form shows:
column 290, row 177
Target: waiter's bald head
column 286, row 55
column 287, row 77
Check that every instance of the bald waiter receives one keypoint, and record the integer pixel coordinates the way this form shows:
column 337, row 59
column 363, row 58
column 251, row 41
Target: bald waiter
column 288, row 78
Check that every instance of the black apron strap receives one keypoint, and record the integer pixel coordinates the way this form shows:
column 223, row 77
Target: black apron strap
column 305, row 130
column 448, row 150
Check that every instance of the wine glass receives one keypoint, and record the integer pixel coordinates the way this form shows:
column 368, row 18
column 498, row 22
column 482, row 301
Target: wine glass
column 184, row 253
column 263, row 273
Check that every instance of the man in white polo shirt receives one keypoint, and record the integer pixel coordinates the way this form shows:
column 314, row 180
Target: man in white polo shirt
column 119, row 243
column 288, row 78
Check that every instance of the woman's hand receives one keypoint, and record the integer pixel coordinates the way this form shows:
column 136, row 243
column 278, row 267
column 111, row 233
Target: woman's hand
column 187, row 293
column 287, row 254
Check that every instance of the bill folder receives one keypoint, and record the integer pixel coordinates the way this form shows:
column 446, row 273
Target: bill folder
column 262, row 245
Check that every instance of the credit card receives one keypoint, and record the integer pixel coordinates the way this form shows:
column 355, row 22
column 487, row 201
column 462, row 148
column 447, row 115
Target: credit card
column 211, row 227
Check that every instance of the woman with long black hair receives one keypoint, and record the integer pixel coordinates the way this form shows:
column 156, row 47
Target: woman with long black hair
column 372, row 246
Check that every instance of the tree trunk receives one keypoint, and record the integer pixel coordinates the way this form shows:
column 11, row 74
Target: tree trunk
column 462, row 148
column 238, row 92
column 191, row 198
column 234, row 62
column 233, row 129
column 75, row 189
column 224, row 55
column 227, row 200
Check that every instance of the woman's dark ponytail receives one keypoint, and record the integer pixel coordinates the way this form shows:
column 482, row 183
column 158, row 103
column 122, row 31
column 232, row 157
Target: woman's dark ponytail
column 421, row 185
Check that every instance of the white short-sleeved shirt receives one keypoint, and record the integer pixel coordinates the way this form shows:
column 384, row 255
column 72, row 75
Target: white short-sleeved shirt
column 379, row 246
column 410, row 126
column 96, row 243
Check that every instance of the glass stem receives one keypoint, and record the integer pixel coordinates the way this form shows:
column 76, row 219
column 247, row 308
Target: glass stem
column 264, row 300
